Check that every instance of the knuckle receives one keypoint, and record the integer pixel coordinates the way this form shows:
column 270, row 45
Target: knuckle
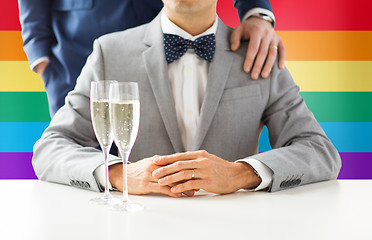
column 257, row 29
column 253, row 48
column 203, row 153
column 264, row 51
column 206, row 162
column 178, row 164
column 160, row 171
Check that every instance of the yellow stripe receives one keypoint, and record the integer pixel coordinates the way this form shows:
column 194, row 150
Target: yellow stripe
column 332, row 76
column 16, row 76
column 319, row 76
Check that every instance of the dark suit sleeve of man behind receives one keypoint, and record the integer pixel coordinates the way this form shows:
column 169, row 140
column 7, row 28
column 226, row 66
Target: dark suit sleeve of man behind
column 243, row 6
column 301, row 153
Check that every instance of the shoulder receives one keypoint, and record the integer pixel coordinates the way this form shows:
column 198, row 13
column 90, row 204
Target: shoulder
column 124, row 37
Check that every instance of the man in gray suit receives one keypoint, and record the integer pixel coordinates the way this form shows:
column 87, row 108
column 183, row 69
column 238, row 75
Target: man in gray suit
column 194, row 99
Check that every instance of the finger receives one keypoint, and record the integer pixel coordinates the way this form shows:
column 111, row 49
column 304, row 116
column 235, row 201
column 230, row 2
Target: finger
column 189, row 193
column 186, row 186
column 260, row 59
column 156, row 188
column 235, row 37
column 165, row 160
column 177, row 177
column 273, row 52
column 281, row 50
column 175, row 168
column 253, row 47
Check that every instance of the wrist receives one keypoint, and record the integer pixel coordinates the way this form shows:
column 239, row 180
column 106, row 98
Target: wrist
column 40, row 68
column 116, row 175
column 262, row 17
column 247, row 178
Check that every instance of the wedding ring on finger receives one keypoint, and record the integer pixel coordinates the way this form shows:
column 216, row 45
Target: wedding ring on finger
column 273, row 46
column 193, row 174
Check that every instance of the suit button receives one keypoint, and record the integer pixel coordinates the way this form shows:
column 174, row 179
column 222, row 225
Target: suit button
column 298, row 181
column 283, row 184
column 87, row 185
column 72, row 182
column 79, row 183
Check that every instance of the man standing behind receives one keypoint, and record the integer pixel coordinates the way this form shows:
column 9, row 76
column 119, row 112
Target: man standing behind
column 196, row 97
column 58, row 35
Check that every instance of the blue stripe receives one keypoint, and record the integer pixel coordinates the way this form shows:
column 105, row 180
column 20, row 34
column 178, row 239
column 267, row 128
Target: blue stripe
column 346, row 136
column 20, row 136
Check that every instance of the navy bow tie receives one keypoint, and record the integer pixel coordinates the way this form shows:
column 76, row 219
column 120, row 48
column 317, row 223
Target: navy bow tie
column 175, row 46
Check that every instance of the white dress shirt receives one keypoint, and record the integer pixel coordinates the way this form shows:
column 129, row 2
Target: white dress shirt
column 188, row 79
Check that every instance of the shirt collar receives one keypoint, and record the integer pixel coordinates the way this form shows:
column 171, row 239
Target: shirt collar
column 169, row 27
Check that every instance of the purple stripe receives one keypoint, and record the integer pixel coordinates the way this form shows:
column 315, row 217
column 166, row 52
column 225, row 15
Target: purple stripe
column 18, row 166
column 356, row 165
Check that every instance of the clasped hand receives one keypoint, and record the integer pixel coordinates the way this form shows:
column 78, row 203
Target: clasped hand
column 185, row 173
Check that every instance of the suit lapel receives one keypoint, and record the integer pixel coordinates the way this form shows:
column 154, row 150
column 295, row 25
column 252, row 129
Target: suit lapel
column 157, row 71
column 217, row 76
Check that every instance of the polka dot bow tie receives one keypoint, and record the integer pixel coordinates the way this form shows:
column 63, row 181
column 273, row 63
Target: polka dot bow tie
column 175, row 46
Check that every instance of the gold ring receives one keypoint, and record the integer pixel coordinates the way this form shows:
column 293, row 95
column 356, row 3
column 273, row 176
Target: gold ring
column 193, row 173
column 272, row 46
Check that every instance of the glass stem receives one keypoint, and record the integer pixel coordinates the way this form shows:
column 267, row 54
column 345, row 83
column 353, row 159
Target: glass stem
column 125, row 156
column 105, row 151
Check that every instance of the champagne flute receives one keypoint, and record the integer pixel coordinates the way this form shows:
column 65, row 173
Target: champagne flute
column 100, row 114
column 125, row 114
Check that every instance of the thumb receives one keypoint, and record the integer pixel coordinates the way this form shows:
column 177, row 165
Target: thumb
column 235, row 37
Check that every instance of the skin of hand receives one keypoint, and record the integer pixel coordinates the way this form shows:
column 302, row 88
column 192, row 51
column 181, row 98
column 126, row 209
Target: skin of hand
column 262, row 39
column 211, row 173
column 140, row 179
column 40, row 68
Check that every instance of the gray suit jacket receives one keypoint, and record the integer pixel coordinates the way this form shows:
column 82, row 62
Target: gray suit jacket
column 234, row 110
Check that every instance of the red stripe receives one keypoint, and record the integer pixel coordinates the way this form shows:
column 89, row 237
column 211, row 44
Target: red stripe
column 295, row 15
column 315, row 15
column 9, row 19
column 323, row 15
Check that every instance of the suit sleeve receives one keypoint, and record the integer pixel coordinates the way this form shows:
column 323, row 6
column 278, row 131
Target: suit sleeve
column 67, row 151
column 37, row 33
column 243, row 6
column 301, row 152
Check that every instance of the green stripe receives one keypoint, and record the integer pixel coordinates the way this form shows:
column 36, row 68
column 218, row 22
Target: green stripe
column 340, row 106
column 24, row 107
column 326, row 106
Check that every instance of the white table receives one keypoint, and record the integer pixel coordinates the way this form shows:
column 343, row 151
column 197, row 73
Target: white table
column 31, row 209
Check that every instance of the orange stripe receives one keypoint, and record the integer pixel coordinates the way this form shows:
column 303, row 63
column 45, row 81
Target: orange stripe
column 300, row 45
column 11, row 46
column 327, row 45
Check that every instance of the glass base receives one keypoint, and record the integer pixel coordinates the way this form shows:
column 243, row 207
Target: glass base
column 104, row 200
column 126, row 206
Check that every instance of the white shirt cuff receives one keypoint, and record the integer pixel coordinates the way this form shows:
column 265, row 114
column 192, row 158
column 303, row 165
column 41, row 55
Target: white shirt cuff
column 37, row 61
column 255, row 11
column 265, row 173
column 99, row 173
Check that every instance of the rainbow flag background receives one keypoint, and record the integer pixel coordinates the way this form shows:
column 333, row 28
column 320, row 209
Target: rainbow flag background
column 328, row 51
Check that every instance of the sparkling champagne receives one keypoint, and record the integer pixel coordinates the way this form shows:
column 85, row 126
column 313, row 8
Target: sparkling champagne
column 101, row 122
column 125, row 123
